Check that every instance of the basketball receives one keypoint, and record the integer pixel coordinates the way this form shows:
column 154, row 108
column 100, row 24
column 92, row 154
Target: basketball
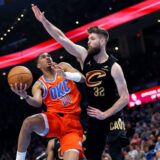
column 20, row 74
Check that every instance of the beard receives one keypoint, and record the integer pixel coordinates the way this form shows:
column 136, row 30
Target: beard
column 93, row 51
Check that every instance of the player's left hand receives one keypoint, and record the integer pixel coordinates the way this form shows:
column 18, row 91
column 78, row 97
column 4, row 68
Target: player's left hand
column 59, row 70
column 96, row 113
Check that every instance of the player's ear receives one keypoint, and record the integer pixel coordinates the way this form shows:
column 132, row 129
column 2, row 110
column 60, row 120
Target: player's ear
column 102, row 41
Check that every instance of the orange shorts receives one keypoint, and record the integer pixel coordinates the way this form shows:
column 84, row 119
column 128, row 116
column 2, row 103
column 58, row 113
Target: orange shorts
column 67, row 128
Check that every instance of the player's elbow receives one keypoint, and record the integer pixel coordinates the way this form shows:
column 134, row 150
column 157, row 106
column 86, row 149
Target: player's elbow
column 125, row 98
column 36, row 104
column 39, row 104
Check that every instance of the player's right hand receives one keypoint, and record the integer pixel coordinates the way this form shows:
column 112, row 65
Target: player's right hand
column 21, row 90
column 38, row 14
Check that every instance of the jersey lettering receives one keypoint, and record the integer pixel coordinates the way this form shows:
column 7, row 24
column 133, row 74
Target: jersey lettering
column 99, row 91
column 60, row 90
column 66, row 100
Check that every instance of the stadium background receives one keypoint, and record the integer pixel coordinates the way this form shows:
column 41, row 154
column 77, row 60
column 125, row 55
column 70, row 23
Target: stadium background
column 136, row 44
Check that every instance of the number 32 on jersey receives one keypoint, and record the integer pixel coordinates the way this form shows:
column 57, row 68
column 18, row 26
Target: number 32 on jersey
column 99, row 91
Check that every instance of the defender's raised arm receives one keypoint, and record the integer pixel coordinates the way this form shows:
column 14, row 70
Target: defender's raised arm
column 78, row 51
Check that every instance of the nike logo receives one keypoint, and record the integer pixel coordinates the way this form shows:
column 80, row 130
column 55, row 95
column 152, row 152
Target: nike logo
column 105, row 68
column 89, row 63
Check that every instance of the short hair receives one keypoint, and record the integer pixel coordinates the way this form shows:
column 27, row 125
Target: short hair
column 98, row 30
column 36, row 59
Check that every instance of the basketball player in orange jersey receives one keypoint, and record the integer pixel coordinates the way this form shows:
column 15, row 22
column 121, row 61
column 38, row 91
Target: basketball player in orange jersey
column 57, row 90
column 106, row 88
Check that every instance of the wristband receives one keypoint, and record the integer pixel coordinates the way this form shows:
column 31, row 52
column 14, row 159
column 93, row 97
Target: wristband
column 73, row 76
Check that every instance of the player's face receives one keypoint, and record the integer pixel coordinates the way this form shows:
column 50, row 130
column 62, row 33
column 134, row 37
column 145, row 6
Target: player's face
column 44, row 61
column 94, row 45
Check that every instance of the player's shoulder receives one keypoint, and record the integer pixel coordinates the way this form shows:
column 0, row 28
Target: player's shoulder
column 116, row 66
column 38, row 84
column 116, row 70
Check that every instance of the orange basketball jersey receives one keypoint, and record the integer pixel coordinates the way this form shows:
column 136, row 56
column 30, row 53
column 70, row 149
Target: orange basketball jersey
column 60, row 95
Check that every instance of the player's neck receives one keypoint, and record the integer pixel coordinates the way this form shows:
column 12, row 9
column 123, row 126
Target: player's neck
column 101, row 57
column 49, row 75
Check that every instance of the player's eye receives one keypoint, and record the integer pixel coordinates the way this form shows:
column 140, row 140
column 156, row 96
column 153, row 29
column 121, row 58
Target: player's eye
column 43, row 56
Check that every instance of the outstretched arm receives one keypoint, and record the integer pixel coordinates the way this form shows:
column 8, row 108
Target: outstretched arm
column 35, row 100
column 78, row 51
column 120, row 81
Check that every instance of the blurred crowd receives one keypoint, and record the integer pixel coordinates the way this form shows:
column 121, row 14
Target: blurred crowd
column 143, row 129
